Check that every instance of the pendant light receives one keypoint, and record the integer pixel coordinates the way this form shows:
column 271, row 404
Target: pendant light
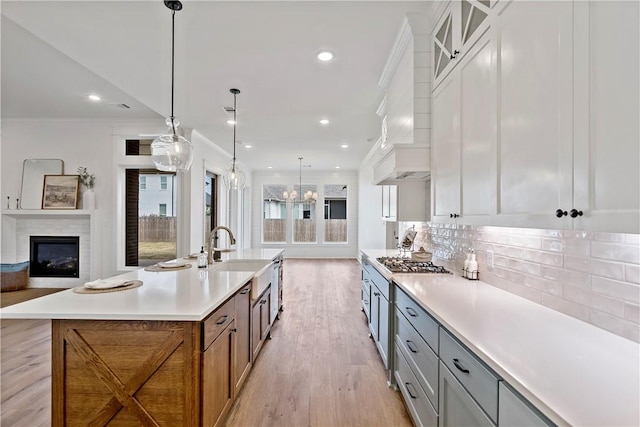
column 234, row 178
column 309, row 196
column 172, row 152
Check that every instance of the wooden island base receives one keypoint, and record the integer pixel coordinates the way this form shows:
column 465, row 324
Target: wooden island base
column 125, row 373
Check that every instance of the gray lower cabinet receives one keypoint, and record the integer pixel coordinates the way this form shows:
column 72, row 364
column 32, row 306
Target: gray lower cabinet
column 417, row 402
column 457, row 407
column 366, row 294
column 379, row 312
column 515, row 411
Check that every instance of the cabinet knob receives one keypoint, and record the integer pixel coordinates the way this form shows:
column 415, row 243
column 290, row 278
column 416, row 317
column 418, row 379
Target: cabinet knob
column 573, row 213
column 454, row 54
column 560, row 213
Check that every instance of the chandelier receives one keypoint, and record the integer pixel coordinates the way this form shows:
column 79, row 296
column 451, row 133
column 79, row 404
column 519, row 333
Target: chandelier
column 309, row 196
column 171, row 151
column 234, row 178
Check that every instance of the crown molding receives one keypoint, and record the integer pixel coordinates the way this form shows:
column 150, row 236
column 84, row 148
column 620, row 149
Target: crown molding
column 403, row 38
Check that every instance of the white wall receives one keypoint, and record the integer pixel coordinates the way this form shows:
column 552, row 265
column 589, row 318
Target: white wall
column 371, row 228
column 320, row 179
column 98, row 145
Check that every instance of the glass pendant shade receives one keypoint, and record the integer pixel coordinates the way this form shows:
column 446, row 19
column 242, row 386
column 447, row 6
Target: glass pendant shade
column 234, row 178
column 171, row 152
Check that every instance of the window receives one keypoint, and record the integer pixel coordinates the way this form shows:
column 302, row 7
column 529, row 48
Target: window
column 304, row 216
column 163, row 182
column 274, row 214
column 335, row 213
column 150, row 214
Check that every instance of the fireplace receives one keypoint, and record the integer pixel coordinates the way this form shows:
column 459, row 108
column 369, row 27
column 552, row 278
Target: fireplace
column 54, row 256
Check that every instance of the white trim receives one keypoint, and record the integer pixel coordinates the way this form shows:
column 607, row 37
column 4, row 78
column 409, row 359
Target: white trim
column 403, row 39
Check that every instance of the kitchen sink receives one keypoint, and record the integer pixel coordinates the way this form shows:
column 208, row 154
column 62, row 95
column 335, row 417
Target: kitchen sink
column 261, row 279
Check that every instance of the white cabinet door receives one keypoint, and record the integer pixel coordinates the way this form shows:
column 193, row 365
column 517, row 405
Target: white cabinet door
column 464, row 140
column 607, row 107
column 535, row 116
column 478, row 133
column 445, row 152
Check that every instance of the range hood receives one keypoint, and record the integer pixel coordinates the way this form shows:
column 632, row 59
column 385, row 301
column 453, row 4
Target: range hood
column 403, row 163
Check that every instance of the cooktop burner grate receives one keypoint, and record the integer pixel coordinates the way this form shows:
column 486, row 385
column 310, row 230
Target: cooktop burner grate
column 404, row 265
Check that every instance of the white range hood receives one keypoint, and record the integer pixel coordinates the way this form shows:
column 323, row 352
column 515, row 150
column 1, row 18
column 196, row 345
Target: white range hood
column 403, row 162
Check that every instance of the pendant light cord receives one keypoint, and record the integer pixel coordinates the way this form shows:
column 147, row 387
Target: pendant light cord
column 300, row 158
column 234, row 131
column 173, row 44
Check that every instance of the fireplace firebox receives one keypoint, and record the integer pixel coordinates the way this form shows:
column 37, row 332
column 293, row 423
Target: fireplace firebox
column 54, row 256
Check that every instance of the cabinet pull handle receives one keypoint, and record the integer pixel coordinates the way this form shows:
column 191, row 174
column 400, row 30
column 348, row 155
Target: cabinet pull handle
column 573, row 213
column 234, row 330
column 222, row 320
column 264, row 301
column 455, row 53
column 453, row 215
column 560, row 213
column 460, row 367
column 413, row 394
column 411, row 312
column 244, row 291
column 412, row 346
column 376, row 294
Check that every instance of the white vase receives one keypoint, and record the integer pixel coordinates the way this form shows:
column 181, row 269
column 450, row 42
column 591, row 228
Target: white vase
column 89, row 199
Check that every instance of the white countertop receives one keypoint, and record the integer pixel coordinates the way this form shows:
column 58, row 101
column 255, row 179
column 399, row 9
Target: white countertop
column 252, row 254
column 573, row 372
column 189, row 295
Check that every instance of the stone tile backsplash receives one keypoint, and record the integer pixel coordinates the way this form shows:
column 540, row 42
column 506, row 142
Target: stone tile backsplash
column 594, row 277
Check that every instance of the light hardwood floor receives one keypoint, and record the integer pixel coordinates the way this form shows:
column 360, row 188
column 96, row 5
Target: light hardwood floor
column 320, row 368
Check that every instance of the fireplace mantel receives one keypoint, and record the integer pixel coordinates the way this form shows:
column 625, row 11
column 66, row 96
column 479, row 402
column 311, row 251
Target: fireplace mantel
column 48, row 214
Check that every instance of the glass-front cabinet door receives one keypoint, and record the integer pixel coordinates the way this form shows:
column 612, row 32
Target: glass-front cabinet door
column 461, row 25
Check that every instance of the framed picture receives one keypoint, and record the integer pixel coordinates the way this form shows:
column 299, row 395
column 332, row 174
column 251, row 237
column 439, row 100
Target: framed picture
column 60, row 191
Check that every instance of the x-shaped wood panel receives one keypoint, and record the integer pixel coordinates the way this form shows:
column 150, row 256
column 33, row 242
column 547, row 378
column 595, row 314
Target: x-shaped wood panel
column 123, row 394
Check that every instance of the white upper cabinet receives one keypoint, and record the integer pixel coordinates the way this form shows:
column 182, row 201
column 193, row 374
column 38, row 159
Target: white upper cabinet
column 464, row 140
column 539, row 118
column 607, row 108
column 458, row 29
column 535, row 115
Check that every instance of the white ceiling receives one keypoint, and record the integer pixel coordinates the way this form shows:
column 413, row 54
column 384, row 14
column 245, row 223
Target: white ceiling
column 55, row 53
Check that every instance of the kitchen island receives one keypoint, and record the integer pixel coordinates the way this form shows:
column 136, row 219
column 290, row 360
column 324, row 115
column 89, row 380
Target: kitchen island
column 163, row 353
column 572, row 372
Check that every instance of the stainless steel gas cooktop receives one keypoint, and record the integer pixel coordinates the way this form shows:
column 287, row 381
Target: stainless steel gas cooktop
column 406, row 265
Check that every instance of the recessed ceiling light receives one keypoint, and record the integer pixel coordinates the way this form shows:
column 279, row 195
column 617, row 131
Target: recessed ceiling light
column 248, row 145
column 337, row 167
column 324, row 122
column 344, row 146
column 325, row 56
column 95, row 97
column 231, row 122
column 269, row 167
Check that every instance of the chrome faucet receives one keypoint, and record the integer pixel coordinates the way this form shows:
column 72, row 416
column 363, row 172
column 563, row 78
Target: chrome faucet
column 213, row 237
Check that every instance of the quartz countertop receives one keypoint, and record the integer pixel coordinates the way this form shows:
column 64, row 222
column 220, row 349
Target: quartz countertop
column 189, row 294
column 573, row 372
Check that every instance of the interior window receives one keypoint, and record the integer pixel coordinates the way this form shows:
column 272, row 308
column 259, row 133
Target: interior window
column 335, row 213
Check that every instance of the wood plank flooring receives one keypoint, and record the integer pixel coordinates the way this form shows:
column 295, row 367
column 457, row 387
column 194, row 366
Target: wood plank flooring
column 25, row 388
column 320, row 368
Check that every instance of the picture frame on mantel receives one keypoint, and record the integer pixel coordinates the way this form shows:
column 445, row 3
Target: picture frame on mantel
column 60, row 191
